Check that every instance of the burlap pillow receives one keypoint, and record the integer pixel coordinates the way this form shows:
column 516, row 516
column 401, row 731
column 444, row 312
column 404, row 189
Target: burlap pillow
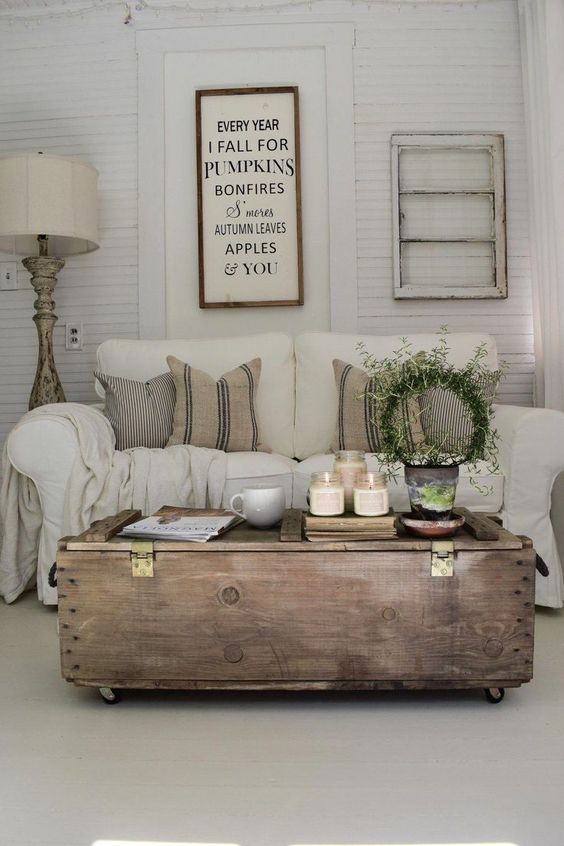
column 356, row 415
column 140, row 412
column 217, row 415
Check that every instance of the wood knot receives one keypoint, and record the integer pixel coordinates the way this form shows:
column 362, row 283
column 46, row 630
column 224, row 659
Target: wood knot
column 229, row 595
column 233, row 653
column 389, row 613
column 493, row 647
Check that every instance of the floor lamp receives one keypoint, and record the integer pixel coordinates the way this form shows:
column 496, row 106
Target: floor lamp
column 47, row 210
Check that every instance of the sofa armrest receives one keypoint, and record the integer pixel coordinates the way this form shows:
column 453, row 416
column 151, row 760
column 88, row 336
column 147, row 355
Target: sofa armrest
column 531, row 455
column 44, row 446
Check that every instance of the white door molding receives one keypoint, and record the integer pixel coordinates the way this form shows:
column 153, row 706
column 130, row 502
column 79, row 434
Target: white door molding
column 152, row 45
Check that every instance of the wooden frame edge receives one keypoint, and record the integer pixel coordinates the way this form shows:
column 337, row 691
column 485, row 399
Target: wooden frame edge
column 267, row 89
column 500, row 290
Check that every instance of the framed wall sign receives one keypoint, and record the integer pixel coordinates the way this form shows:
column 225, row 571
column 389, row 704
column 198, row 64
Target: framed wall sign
column 249, row 207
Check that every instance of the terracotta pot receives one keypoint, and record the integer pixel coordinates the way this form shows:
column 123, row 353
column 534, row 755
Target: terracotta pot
column 432, row 490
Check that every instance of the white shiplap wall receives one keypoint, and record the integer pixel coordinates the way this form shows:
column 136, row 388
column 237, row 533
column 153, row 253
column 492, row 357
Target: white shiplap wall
column 442, row 69
column 68, row 86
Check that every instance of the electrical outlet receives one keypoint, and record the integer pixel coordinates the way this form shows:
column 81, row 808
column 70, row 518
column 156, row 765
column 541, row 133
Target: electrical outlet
column 8, row 275
column 73, row 336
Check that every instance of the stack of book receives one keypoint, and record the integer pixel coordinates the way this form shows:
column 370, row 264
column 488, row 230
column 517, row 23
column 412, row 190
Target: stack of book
column 350, row 527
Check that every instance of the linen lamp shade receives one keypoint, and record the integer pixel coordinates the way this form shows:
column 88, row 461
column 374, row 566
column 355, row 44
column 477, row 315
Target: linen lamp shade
column 47, row 195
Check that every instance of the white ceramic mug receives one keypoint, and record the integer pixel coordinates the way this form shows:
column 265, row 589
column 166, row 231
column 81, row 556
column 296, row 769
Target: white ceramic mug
column 262, row 507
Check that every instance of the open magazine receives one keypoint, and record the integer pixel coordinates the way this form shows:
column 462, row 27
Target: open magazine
column 186, row 524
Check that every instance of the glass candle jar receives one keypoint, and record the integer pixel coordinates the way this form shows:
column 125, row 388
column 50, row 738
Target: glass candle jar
column 371, row 495
column 348, row 464
column 326, row 495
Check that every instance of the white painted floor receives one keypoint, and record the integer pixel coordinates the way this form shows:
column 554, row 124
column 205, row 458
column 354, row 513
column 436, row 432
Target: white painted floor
column 276, row 770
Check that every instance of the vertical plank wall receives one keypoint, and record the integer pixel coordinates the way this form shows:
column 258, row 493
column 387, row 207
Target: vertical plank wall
column 446, row 69
column 68, row 85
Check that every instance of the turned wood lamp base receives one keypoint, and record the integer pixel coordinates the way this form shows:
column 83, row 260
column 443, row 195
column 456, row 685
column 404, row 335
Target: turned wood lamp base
column 48, row 202
column 47, row 386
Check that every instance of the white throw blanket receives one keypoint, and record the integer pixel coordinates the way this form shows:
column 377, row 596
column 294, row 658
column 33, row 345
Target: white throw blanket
column 102, row 482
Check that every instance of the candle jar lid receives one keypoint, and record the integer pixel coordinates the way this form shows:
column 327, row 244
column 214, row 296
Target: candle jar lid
column 350, row 455
column 370, row 481
column 325, row 477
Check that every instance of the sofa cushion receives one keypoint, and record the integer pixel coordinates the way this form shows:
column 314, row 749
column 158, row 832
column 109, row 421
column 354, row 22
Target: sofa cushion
column 216, row 415
column 275, row 394
column 141, row 413
column 258, row 468
column 316, row 395
column 466, row 494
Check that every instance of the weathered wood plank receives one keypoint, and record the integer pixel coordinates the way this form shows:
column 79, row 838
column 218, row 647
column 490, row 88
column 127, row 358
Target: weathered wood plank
column 480, row 526
column 367, row 686
column 495, row 518
column 245, row 538
column 292, row 526
column 102, row 530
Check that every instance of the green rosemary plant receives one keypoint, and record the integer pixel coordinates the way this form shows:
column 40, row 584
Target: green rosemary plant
column 405, row 392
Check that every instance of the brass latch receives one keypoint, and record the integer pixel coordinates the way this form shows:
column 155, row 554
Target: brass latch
column 142, row 559
column 442, row 558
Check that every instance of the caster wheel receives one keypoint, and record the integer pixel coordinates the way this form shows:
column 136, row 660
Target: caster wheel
column 110, row 697
column 494, row 694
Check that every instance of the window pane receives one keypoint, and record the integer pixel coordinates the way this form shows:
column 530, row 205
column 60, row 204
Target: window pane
column 445, row 169
column 446, row 216
column 447, row 265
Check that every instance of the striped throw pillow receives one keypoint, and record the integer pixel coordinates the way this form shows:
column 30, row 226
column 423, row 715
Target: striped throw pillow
column 446, row 420
column 140, row 413
column 217, row 415
column 356, row 416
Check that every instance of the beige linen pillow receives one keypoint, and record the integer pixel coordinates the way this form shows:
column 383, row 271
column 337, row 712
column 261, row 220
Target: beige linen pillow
column 217, row 415
column 356, row 412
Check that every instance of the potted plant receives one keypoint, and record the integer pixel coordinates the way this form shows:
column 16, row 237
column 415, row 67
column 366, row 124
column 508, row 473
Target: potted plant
column 432, row 417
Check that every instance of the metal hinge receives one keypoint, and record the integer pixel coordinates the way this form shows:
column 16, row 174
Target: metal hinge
column 142, row 559
column 442, row 558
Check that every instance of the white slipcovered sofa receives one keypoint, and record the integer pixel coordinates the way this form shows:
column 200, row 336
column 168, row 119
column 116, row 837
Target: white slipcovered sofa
column 297, row 408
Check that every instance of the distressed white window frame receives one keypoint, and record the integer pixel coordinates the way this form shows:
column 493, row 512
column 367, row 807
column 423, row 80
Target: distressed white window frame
column 494, row 143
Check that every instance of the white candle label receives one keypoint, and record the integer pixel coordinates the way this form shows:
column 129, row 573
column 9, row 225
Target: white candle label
column 371, row 503
column 326, row 502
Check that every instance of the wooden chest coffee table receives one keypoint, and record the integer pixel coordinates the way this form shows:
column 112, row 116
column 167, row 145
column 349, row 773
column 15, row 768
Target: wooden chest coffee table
column 248, row 611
